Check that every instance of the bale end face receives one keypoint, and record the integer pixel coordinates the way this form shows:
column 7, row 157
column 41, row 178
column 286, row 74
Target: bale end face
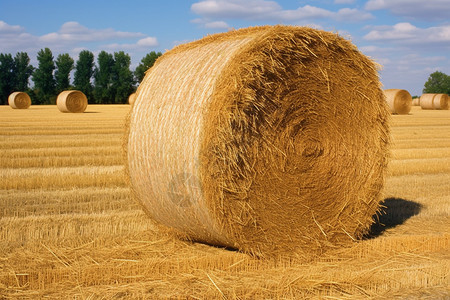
column 399, row 101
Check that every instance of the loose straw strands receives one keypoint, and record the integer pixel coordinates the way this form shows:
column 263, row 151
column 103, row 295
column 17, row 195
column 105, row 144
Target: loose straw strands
column 261, row 142
column 399, row 101
column 72, row 101
column 19, row 100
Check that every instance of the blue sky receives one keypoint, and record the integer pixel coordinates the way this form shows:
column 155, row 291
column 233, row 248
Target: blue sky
column 409, row 38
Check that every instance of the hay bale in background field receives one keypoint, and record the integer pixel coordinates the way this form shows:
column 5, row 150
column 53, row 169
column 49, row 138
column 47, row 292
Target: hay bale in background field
column 440, row 101
column 271, row 140
column 399, row 101
column 416, row 101
column 426, row 101
column 19, row 100
column 434, row 101
column 72, row 101
column 131, row 98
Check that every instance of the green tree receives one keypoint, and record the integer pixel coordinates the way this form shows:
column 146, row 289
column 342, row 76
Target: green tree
column 122, row 77
column 7, row 77
column 44, row 82
column 23, row 71
column 146, row 63
column 103, row 92
column 84, row 71
column 437, row 83
column 64, row 65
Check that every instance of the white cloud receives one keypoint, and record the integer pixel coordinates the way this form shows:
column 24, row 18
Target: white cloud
column 217, row 25
column 145, row 43
column 73, row 32
column 418, row 9
column 406, row 33
column 271, row 10
column 344, row 1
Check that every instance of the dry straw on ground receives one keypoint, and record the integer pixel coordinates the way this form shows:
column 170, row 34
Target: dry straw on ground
column 131, row 98
column 72, row 101
column 434, row 101
column 19, row 100
column 271, row 140
column 399, row 101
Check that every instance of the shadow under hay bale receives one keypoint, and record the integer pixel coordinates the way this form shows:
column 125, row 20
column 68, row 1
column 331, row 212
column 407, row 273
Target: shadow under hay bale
column 272, row 140
column 395, row 212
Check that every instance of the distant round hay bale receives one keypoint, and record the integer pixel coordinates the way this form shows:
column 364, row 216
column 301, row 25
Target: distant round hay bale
column 272, row 140
column 72, row 101
column 19, row 100
column 426, row 101
column 434, row 101
column 131, row 98
column 399, row 101
column 440, row 101
column 416, row 101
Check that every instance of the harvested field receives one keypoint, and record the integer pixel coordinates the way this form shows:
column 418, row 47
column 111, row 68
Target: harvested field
column 70, row 229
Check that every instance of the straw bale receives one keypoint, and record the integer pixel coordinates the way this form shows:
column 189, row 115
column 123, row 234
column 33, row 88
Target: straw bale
column 440, row 101
column 416, row 101
column 72, row 101
column 272, row 140
column 399, row 101
column 19, row 100
column 426, row 101
column 434, row 101
column 131, row 98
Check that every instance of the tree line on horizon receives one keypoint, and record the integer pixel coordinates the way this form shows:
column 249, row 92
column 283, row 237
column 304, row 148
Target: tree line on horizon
column 109, row 81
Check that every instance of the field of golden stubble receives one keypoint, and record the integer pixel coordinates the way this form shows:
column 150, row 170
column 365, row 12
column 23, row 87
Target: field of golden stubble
column 69, row 228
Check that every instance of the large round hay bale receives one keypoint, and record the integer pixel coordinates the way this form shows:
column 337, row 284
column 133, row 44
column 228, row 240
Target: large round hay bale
column 440, row 101
column 271, row 140
column 131, row 98
column 426, row 101
column 416, row 101
column 72, row 101
column 399, row 101
column 19, row 100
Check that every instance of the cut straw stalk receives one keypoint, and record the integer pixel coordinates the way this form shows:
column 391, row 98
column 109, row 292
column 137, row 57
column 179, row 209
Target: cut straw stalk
column 72, row 101
column 399, row 101
column 19, row 100
column 261, row 142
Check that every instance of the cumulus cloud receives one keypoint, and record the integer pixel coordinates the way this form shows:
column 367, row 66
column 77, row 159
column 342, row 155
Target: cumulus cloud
column 406, row 33
column 74, row 32
column 417, row 9
column 271, row 10
column 142, row 44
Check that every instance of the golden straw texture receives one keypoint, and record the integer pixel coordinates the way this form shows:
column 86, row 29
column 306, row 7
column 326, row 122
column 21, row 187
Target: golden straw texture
column 272, row 140
column 131, row 98
column 440, row 101
column 72, row 101
column 399, row 101
column 19, row 100
column 434, row 101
